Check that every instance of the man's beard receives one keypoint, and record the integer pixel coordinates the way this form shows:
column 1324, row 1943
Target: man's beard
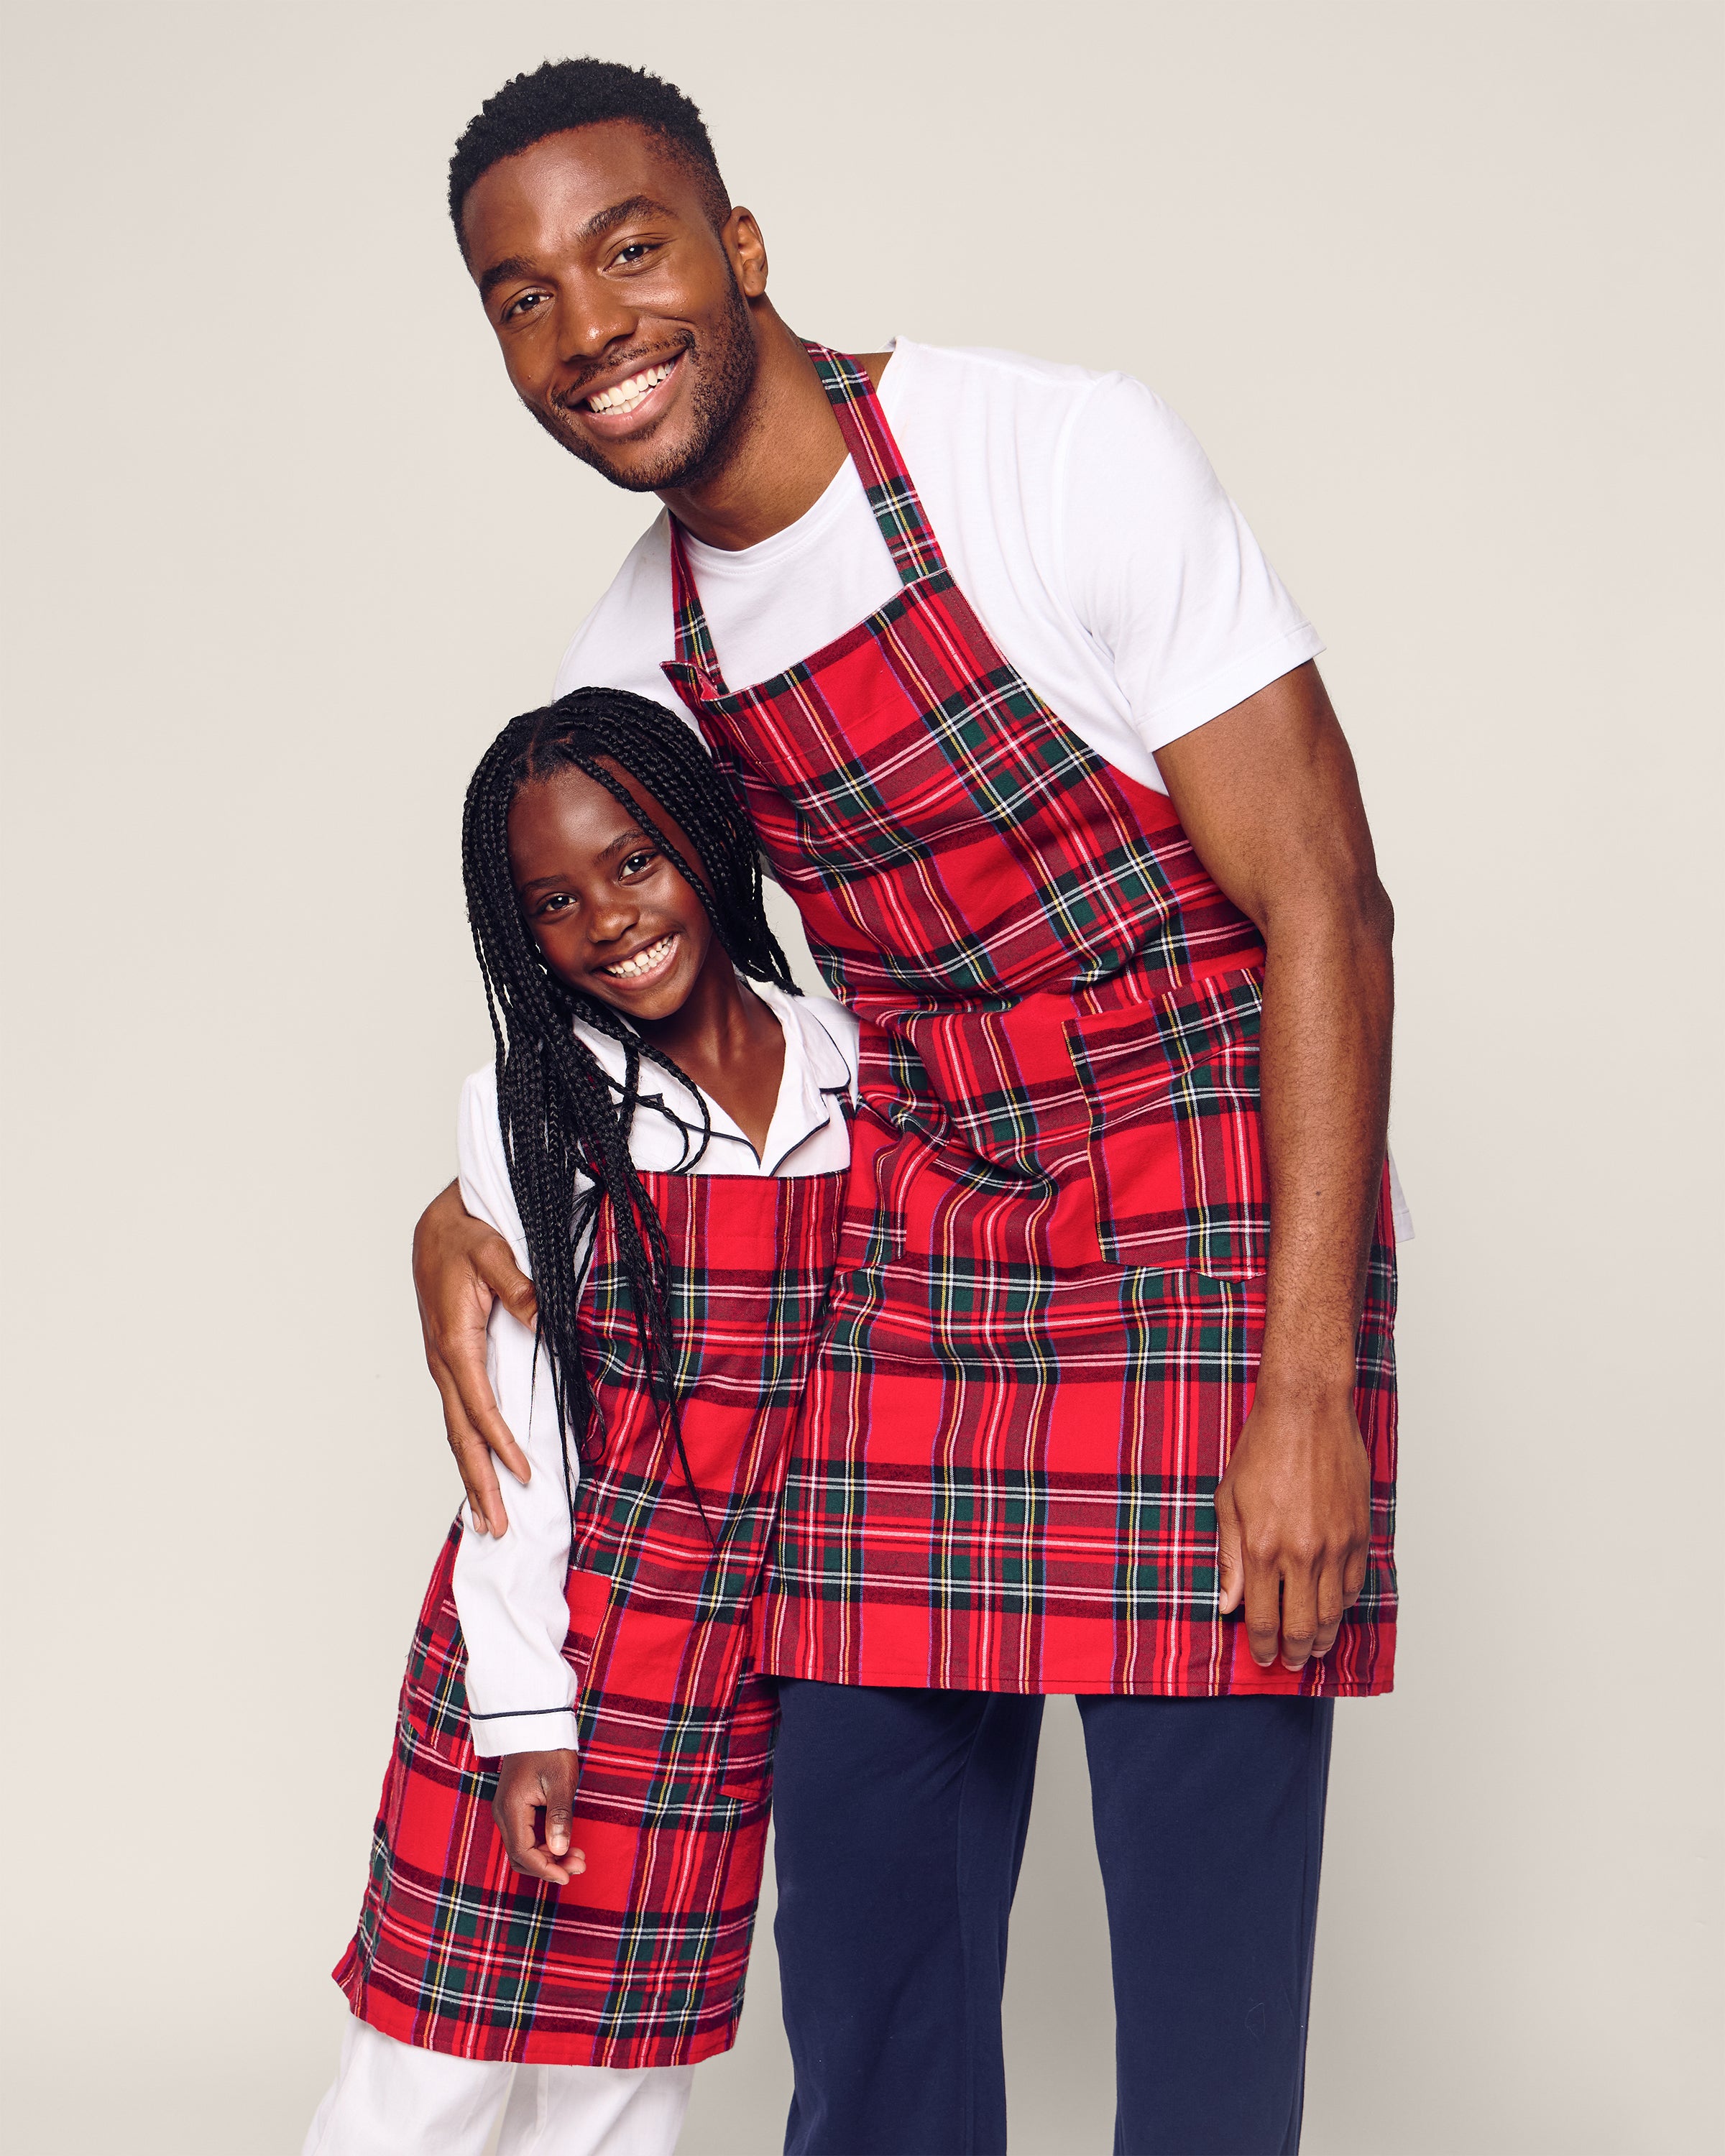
column 721, row 383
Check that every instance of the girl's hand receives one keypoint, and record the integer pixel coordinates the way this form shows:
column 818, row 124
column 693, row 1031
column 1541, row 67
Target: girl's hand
column 536, row 1792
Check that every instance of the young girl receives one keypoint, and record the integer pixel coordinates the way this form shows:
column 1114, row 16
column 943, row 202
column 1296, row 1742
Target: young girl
column 568, row 1857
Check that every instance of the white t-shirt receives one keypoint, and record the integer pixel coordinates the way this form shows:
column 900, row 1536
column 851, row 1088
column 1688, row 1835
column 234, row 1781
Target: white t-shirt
column 509, row 1591
column 1078, row 516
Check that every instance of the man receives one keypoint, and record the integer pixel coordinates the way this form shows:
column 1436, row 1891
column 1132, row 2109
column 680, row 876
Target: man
column 1037, row 746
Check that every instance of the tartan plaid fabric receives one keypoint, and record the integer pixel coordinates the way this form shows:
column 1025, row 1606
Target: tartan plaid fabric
column 1049, row 1300
column 641, row 1960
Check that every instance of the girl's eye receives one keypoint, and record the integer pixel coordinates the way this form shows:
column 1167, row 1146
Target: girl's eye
column 636, row 862
column 556, row 903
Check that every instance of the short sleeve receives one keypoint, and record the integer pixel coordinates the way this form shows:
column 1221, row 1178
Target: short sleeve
column 1161, row 569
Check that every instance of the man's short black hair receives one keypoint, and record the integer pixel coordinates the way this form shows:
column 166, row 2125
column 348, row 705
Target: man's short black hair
column 563, row 94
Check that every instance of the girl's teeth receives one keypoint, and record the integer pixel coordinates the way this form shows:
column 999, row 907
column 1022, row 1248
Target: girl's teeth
column 627, row 395
column 643, row 961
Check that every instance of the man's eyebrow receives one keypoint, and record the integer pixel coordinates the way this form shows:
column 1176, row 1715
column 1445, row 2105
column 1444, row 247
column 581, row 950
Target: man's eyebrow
column 511, row 265
column 597, row 226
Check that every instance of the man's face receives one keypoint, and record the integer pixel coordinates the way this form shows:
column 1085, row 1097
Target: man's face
column 623, row 314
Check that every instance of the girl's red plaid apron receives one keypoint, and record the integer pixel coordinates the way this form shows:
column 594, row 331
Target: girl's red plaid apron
column 641, row 1960
column 1050, row 1301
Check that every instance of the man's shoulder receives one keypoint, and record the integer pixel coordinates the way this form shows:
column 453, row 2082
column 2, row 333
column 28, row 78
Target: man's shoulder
column 619, row 643
column 954, row 403
column 967, row 374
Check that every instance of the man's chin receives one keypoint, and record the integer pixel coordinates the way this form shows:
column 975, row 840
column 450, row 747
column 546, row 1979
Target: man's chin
column 652, row 468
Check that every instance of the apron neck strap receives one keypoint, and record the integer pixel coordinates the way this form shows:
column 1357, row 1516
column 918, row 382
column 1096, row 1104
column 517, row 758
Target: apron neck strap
column 909, row 535
column 696, row 656
column 898, row 511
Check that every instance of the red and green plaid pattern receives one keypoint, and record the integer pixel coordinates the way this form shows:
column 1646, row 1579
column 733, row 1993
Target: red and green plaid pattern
column 1049, row 1303
column 641, row 1960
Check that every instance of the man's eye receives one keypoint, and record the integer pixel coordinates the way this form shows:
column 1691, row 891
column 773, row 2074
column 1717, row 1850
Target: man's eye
column 529, row 302
column 637, row 250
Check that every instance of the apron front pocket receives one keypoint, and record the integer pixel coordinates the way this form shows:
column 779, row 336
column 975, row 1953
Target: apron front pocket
column 1176, row 1142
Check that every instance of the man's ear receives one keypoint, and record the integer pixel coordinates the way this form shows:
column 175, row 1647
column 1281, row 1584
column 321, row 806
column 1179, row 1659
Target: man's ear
column 742, row 242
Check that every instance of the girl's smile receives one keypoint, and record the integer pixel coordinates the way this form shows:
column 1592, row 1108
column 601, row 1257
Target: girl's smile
column 645, row 965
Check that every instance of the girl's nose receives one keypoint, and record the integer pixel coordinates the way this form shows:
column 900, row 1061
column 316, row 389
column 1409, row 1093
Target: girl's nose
column 612, row 919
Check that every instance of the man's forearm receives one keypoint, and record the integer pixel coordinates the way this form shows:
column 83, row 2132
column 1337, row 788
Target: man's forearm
column 1328, row 1001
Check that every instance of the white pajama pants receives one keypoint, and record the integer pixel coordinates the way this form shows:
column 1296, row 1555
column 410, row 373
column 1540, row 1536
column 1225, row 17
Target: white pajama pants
column 392, row 2099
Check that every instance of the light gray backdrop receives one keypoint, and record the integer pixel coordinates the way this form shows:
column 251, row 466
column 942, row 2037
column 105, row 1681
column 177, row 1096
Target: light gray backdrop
column 1436, row 285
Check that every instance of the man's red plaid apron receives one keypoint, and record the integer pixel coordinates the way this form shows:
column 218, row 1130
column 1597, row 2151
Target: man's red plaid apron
column 641, row 1960
column 1051, row 1295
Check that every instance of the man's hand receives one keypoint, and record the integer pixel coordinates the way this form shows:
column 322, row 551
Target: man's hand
column 1293, row 1517
column 460, row 1268
column 536, row 1794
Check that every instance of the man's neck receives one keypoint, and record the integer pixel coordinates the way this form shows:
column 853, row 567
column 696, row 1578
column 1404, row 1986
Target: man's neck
column 786, row 447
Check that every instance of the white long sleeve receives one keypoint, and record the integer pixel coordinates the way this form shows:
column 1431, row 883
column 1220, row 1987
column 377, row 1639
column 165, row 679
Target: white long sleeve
column 509, row 1589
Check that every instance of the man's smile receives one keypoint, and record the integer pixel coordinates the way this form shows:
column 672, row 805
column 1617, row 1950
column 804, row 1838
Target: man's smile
column 626, row 397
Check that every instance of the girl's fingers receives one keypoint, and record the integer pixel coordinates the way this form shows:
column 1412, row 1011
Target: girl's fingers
column 558, row 1782
column 542, row 1785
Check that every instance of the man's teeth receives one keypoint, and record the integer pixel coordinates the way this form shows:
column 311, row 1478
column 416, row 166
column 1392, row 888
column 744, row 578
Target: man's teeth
column 627, row 395
column 643, row 961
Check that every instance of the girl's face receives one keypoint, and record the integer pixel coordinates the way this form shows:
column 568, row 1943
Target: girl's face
column 614, row 919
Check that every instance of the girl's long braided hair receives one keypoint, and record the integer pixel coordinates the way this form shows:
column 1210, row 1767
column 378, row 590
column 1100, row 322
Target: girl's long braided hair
column 565, row 1120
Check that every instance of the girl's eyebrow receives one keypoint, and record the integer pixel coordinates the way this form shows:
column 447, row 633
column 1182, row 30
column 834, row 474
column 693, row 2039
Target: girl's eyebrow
column 621, row 843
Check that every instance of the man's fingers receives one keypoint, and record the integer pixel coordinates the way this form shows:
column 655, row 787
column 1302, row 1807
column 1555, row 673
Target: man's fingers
column 462, row 1365
column 1329, row 1610
column 1298, row 1616
column 1353, row 1577
column 493, row 1262
column 473, row 1458
column 1230, row 1569
column 478, row 1403
column 1263, row 1610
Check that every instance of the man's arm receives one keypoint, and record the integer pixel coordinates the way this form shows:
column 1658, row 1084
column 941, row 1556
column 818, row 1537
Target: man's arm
column 1268, row 795
column 460, row 1267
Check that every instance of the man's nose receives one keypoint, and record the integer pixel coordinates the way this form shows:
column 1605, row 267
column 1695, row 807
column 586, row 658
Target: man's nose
column 594, row 316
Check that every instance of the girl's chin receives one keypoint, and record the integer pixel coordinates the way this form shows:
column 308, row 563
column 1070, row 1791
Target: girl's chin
column 650, row 1004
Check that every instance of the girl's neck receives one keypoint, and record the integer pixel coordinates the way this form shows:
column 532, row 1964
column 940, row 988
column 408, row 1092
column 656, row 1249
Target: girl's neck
column 730, row 1043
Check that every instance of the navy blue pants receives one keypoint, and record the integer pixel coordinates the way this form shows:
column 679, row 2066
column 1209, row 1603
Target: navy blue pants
column 901, row 1818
